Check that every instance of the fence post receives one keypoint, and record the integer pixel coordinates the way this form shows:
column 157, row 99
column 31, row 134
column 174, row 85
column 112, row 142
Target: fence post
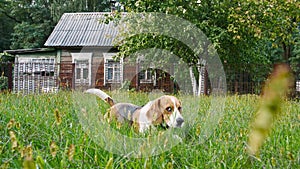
column 137, row 69
column 73, row 76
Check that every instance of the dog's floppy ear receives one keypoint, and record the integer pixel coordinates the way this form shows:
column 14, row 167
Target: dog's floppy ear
column 158, row 102
column 155, row 113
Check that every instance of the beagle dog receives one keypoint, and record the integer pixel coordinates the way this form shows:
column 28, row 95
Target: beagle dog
column 165, row 110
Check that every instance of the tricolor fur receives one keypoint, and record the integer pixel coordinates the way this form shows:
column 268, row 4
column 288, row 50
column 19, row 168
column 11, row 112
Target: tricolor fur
column 163, row 110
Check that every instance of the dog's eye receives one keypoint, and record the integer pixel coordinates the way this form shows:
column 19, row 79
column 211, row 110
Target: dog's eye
column 169, row 109
column 179, row 108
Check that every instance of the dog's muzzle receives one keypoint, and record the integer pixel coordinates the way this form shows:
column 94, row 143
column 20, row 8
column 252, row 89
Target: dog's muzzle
column 179, row 122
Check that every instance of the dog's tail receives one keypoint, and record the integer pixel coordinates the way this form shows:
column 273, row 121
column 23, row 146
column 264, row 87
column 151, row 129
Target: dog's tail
column 102, row 95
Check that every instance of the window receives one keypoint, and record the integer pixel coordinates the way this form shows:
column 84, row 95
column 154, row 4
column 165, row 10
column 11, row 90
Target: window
column 37, row 66
column 113, row 69
column 43, row 67
column 298, row 86
column 146, row 76
column 146, row 73
column 83, row 68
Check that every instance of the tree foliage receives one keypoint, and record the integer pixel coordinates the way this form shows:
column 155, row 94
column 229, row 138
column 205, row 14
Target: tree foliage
column 249, row 35
column 58, row 7
column 275, row 20
column 247, row 32
column 27, row 23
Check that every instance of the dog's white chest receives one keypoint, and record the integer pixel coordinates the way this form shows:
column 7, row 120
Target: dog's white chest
column 144, row 122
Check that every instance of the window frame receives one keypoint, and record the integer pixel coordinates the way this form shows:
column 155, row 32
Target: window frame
column 146, row 79
column 147, row 72
column 83, row 57
column 109, row 57
column 81, row 66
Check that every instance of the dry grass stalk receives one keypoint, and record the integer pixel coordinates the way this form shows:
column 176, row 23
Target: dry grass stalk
column 274, row 92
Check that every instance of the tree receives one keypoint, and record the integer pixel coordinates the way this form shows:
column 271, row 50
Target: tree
column 213, row 17
column 27, row 23
column 58, row 7
column 6, row 26
column 246, row 33
column 275, row 21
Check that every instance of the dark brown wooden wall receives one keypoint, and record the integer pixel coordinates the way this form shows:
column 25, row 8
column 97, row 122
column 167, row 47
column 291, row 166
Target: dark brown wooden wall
column 130, row 73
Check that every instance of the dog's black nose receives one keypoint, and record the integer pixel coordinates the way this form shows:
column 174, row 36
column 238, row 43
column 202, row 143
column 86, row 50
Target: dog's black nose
column 179, row 121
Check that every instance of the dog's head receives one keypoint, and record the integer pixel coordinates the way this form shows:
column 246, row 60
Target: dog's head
column 167, row 109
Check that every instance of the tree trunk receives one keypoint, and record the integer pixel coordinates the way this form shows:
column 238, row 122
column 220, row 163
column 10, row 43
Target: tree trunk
column 286, row 52
column 199, row 82
column 206, row 87
column 193, row 81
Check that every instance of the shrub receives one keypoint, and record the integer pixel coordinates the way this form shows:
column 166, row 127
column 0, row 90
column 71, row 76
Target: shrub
column 3, row 83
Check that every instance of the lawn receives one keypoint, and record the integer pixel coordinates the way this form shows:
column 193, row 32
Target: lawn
column 45, row 130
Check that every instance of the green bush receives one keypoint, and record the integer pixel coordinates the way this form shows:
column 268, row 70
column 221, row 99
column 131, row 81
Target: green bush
column 3, row 83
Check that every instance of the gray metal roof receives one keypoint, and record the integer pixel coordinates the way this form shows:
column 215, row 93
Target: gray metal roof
column 82, row 29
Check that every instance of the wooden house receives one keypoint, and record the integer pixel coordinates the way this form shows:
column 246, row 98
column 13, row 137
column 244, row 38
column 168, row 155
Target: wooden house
column 80, row 54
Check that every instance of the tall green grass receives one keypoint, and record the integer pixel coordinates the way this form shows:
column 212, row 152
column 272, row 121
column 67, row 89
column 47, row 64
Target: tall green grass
column 44, row 130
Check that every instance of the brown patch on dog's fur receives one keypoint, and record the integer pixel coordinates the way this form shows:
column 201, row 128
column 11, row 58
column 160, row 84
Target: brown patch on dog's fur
column 110, row 101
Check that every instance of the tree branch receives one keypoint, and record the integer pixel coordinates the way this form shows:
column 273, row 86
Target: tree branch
column 10, row 17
